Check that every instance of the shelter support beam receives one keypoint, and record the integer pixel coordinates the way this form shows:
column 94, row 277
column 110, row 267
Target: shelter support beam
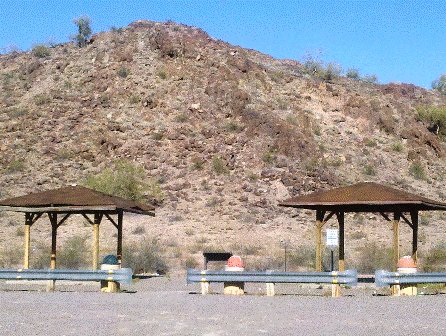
column 96, row 222
column 341, row 265
column 27, row 246
column 54, row 226
column 319, row 224
column 119, row 245
column 30, row 219
column 396, row 239
column 414, row 218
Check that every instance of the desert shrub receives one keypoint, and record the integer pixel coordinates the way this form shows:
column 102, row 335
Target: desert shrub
column 11, row 256
column 41, row 255
column 197, row 163
column 40, row 51
column 233, row 126
column 158, row 135
column 275, row 262
column 73, row 253
column 440, row 84
column 83, row 24
column 397, row 147
column 123, row 72
column 416, row 169
column 270, row 156
column 41, row 99
column 352, row 74
column 134, row 99
column 313, row 65
column 358, row 235
column 372, row 257
column 302, row 257
column 126, row 180
column 191, row 262
column 144, row 256
column 139, row 230
column 154, row 191
column 332, row 71
column 15, row 166
column 434, row 115
column 369, row 170
column 371, row 143
column 162, row 74
column 370, row 79
column 219, row 165
column 435, row 259
column 181, row 118
column 20, row 232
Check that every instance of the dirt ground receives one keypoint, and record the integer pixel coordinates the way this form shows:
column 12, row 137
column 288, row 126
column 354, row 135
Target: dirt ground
column 164, row 306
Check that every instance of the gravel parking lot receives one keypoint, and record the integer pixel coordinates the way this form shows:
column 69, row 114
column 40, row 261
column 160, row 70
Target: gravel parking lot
column 166, row 306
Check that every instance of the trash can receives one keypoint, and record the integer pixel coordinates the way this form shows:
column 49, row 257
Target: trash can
column 406, row 265
column 109, row 263
column 235, row 264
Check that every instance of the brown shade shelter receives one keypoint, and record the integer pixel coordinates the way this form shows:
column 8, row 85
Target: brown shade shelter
column 60, row 204
column 364, row 197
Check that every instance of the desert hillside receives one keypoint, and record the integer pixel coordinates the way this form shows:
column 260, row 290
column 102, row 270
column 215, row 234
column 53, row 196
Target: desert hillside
column 223, row 133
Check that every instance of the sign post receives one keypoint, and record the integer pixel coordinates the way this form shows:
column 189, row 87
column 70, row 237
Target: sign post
column 332, row 242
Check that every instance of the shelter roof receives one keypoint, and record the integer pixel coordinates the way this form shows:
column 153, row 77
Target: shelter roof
column 72, row 199
column 366, row 196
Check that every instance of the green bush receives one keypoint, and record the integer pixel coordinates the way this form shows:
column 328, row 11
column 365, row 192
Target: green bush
column 11, row 256
column 332, row 71
column 83, row 24
column 416, row 169
column 74, row 253
column 41, row 99
column 373, row 257
column 369, row 170
column 125, row 180
column 397, row 147
column 15, row 166
column 370, row 79
column 301, row 258
column 434, row 115
column 440, row 84
column 219, row 165
column 123, row 72
column 40, row 51
column 144, row 257
column 435, row 259
column 353, row 74
column 233, row 127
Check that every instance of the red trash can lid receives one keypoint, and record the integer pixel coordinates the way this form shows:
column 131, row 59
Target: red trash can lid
column 235, row 261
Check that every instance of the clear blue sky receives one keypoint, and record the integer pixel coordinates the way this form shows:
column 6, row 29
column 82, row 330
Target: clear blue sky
column 399, row 41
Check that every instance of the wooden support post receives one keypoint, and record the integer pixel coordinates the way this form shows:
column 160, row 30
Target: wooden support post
column 28, row 223
column 97, row 221
column 319, row 224
column 414, row 218
column 119, row 246
column 53, row 220
column 270, row 289
column 341, row 265
column 396, row 239
column 395, row 289
column 27, row 246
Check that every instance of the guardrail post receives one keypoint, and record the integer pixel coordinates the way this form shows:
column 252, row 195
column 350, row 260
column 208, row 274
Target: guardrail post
column 205, row 288
column 270, row 289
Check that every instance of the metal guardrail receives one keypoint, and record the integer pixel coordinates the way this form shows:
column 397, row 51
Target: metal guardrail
column 349, row 277
column 385, row 278
column 123, row 275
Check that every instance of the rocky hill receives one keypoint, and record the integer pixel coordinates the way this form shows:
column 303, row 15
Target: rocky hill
column 225, row 132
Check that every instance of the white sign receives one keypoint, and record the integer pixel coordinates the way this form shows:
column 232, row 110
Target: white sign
column 332, row 238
